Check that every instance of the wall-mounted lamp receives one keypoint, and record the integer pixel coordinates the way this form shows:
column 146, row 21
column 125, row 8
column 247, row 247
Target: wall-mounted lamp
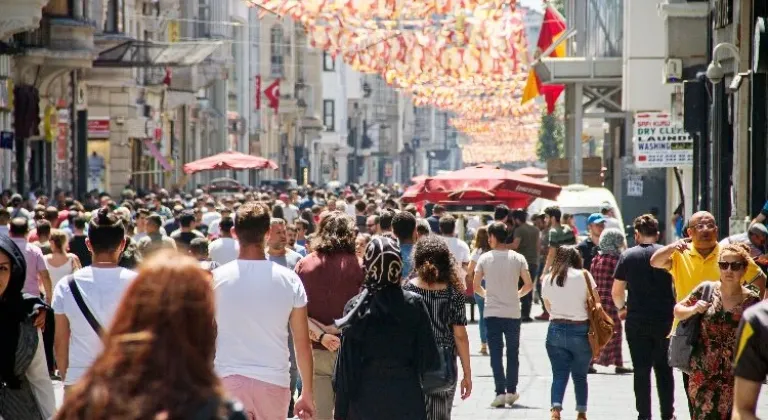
column 715, row 72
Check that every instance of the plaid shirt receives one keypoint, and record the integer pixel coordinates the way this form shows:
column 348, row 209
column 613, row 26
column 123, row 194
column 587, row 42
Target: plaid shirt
column 603, row 267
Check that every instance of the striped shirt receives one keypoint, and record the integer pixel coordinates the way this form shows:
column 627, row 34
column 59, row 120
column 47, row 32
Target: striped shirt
column 446, row 308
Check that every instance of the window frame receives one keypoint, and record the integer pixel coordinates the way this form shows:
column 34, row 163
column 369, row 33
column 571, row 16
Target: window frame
column 114, row 17
column 329, row 112
column 277, row 51
column 328, row 59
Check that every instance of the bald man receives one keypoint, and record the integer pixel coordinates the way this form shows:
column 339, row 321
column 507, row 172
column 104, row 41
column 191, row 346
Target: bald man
column 692, row 261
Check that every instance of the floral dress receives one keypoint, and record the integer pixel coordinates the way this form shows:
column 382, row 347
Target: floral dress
column 602, row 269
column 710, row 385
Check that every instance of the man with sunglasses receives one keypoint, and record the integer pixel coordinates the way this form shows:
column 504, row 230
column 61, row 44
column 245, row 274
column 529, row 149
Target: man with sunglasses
column 695, row 260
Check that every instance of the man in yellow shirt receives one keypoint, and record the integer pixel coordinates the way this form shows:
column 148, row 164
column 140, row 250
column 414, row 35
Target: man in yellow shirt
column 692, row 261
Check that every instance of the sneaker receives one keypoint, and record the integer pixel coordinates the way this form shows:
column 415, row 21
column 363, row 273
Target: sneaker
column 511, row 399
column 542, row 317
column 621, row 370
column 499, row 401
column 484, row 349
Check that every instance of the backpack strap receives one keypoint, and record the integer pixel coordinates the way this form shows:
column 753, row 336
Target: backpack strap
column 83, row 307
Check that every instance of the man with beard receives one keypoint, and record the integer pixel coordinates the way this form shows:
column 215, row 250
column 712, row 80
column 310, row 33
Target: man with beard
column 692, row 261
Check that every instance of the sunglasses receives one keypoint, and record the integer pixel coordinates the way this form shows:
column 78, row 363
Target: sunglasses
column 732, row 266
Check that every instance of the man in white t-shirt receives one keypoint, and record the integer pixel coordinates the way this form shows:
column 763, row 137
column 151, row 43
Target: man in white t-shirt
column 458, row 248
column 255, row 300
column 290, row 212
column 502, row 268
column 76, row 345
column 225, row 248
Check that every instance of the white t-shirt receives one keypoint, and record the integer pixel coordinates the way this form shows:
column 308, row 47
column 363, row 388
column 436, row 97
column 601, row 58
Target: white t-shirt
column 223, row 250
column 209, row 217
column 501, row 272
column 102, row 290
column 460, row 251
column 254, row 300
column 570, row 301
column 290, row 212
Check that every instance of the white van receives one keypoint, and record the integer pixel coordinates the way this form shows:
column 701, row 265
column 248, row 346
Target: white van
column 580, row 201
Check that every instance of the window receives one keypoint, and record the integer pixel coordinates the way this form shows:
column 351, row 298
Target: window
column 329, row 115
column 329, row 64
column 203, row 25
column 277, row 51
column 114, row 16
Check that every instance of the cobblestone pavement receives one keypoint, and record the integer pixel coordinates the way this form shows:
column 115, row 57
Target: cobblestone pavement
column 611, row 396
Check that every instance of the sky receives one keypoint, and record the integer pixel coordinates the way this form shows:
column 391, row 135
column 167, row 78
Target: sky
column 534, row 4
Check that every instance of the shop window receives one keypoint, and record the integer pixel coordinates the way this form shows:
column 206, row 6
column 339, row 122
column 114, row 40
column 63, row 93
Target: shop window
column 277, row 50
column 329, row 115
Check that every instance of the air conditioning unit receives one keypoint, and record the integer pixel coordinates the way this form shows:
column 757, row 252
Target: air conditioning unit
column 673, row 70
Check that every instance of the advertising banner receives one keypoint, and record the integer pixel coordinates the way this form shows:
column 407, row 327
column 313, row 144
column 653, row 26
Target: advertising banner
column 660, row 142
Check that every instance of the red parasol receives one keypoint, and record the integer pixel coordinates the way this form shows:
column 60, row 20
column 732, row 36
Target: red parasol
column 229, row 160
column 491, row 181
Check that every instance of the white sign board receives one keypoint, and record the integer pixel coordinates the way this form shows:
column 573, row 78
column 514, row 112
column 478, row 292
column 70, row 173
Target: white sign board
column 660, row 142
column 635, row 186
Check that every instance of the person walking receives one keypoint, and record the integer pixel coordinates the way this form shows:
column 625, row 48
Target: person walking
column 158, row 357
column 255, row 300
column 502, row 270
column 751, row 361
column 21, row 350
column 648, row 311
column 332, row 276
column 404, row 229
column 710, row 386
column 100, row 287
column 438, row 284
column 387, row 345
column 589, row 246
column 224, row 249
column 611, row 245
column 526, row 242
column 480, row 247
column 565, row 294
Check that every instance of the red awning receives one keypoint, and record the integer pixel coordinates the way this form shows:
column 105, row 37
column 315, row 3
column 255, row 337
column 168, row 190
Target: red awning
column 229, row 160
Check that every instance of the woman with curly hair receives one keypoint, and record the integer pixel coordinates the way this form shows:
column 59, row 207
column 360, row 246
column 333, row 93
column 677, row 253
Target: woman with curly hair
column 158, row 352
column 441, row 289
column 331, row 275
column 721, row 304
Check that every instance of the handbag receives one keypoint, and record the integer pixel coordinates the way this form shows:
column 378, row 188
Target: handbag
column 83, row 307
column 444, row 377
column 686, row 335
column 600, row 323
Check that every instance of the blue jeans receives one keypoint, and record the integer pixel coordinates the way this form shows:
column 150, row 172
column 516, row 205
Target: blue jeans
column 500, row 330
column 480, row 301
column 569, row 354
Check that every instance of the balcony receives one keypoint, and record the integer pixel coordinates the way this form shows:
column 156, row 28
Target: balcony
column 19, row 16
column 59, row 42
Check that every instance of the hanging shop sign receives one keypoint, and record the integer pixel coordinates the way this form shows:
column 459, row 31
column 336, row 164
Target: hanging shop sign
column 98, row 128
column 660, row 142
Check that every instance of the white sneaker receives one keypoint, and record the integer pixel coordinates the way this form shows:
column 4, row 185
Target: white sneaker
column 499, row 401
column 511, row 399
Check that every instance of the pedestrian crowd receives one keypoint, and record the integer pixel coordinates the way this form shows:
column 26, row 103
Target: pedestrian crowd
column 350, row 305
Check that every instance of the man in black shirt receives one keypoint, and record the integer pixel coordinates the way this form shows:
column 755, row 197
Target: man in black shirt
column 186, row 233
column 751, row 362
column 648, row 314
column 77, row 244
column 588, row 247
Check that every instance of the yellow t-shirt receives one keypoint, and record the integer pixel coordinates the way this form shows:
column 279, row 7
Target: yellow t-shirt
column 689, row 269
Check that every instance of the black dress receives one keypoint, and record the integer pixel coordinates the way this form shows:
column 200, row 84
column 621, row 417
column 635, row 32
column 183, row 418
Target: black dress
column 381, row 359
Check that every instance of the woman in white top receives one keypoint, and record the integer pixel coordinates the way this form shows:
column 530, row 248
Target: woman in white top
column 564, row 291
column 60, row 263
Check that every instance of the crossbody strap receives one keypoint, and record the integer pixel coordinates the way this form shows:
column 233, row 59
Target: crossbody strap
column 83, row 307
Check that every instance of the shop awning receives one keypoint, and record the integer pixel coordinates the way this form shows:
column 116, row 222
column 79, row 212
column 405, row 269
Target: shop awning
column 135, row 53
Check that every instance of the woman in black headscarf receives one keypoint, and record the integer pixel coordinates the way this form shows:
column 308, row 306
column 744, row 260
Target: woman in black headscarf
column 18, row 336
column 386, row 346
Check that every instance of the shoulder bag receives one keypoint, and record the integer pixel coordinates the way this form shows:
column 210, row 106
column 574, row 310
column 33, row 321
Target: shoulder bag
column 83, row 307
column 600, row 323
column 686, row 335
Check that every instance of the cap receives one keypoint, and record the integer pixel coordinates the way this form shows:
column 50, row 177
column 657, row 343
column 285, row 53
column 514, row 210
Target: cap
column 606, row 207
column 16, row 197
column 595, row 218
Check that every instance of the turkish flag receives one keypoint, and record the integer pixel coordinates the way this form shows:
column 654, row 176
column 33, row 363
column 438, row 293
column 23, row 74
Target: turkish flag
column 272, row 92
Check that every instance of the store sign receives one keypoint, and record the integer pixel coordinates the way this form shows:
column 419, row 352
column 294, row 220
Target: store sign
column 660, row 142
column 98, row 128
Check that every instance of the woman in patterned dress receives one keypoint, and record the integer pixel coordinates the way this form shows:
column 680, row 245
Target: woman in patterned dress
column 710, row 386
column 611, row 245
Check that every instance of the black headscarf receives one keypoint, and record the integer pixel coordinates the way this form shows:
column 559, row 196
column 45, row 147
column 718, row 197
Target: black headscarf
column 15, row 308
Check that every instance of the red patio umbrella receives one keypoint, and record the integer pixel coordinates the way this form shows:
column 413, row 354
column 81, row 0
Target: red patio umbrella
column 229, row 160
column 488, row 181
